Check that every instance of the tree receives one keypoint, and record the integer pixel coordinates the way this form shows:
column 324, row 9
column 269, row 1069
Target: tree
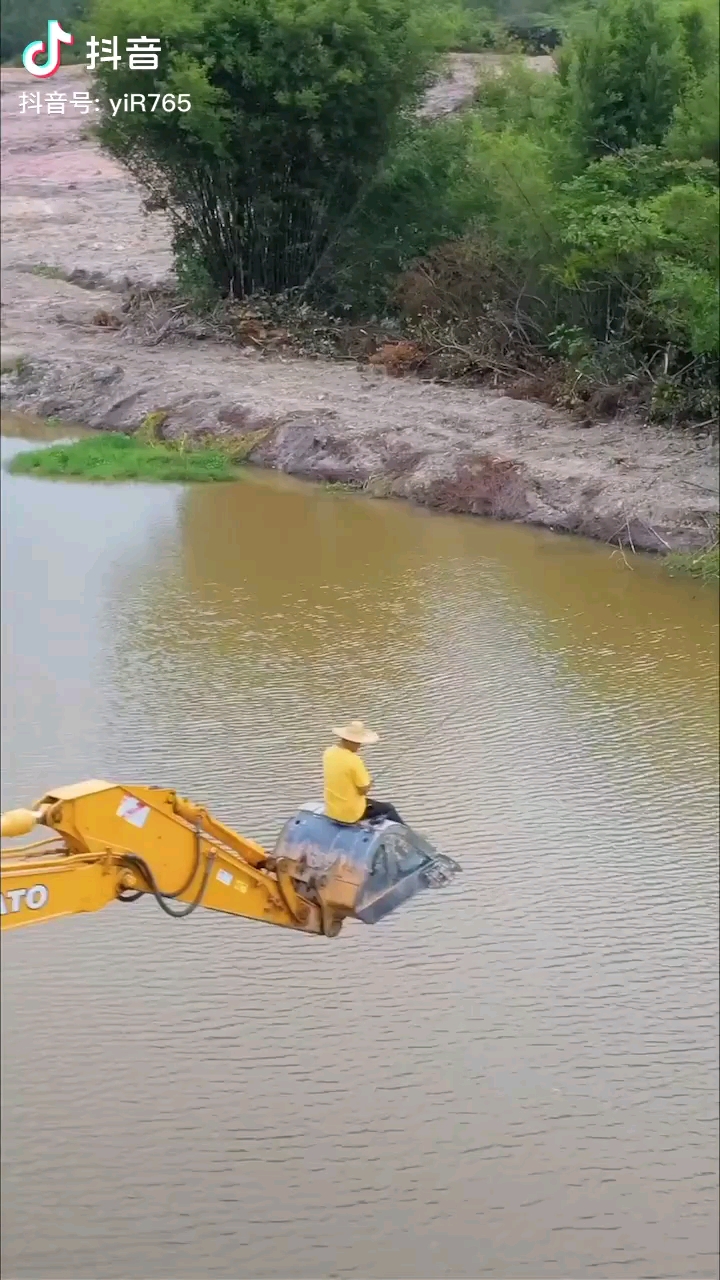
column 294, row 105
column 695, row 133
column 699, row 33
column 624, row 72
column 24, row 20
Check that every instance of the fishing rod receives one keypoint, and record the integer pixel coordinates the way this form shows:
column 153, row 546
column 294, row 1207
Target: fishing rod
column 434, row 729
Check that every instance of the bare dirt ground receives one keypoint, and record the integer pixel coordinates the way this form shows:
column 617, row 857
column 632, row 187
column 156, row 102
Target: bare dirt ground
column 457, row 87
column 74, row 237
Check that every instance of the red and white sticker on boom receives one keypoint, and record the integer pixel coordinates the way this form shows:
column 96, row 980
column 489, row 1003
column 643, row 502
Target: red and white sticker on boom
column 133, row 811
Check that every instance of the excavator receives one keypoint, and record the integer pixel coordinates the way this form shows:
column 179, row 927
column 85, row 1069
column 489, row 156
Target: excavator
column 111, row 843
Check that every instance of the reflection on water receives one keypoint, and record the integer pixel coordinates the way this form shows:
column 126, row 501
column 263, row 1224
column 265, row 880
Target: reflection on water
column 515, row 1078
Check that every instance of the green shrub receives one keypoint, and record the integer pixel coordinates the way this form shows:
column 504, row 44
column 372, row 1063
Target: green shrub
column 519, row 99
column 685, row 298
column 469, row 29
column 699, row 35
column 704, row 565
column 414, row 202
column 195, row 284
column 509, row 190
column 294, row 106
column 639, row 234
column 451, row 179
column 694, row 133
column 624, row 69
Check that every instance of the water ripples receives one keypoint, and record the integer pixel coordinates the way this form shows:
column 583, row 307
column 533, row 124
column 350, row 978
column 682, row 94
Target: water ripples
column 516, row 1078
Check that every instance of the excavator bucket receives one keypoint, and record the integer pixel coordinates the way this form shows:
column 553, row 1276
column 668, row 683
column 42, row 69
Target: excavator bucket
column 364, row 871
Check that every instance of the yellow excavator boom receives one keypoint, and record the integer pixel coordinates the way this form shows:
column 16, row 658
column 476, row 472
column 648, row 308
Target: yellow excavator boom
column 116, row 843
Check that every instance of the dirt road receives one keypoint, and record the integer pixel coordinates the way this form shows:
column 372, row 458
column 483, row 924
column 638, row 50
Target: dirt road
column 74, row 236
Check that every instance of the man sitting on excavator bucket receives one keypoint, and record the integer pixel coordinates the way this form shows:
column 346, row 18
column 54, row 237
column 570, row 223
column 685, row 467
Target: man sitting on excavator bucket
column 347, row 780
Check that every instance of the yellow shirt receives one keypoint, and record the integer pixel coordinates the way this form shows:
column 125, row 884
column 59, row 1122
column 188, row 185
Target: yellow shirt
column 344, row 774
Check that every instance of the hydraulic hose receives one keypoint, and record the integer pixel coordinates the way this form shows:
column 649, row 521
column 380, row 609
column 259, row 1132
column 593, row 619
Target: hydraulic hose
column 137, row 864
column 132, row 895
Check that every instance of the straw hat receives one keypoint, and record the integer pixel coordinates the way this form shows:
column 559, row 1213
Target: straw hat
column 356, row 731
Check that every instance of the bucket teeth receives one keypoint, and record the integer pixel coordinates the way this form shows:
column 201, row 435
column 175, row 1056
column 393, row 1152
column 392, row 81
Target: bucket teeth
column 441, row 871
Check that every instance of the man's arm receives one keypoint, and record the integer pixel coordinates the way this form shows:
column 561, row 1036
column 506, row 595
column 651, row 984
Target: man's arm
column 363, row 781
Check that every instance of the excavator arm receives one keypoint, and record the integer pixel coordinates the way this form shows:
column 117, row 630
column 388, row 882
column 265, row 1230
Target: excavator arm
column 115, row 843
column 112, row 843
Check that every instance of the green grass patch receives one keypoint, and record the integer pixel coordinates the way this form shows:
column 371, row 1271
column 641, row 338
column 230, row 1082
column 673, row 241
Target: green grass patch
column 704, row 565
column 50, row 273
column 17, row 365
column 112, row 456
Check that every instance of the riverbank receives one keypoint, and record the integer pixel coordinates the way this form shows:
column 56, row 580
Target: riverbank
column 75, row 239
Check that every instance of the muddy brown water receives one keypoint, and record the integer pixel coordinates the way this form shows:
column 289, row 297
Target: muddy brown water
column 516, row 1077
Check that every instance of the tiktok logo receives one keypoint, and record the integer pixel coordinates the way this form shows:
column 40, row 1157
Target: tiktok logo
column 55, row 37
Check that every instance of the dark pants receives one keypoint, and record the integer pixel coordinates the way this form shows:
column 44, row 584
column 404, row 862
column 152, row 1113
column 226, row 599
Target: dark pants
column 379, row 809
